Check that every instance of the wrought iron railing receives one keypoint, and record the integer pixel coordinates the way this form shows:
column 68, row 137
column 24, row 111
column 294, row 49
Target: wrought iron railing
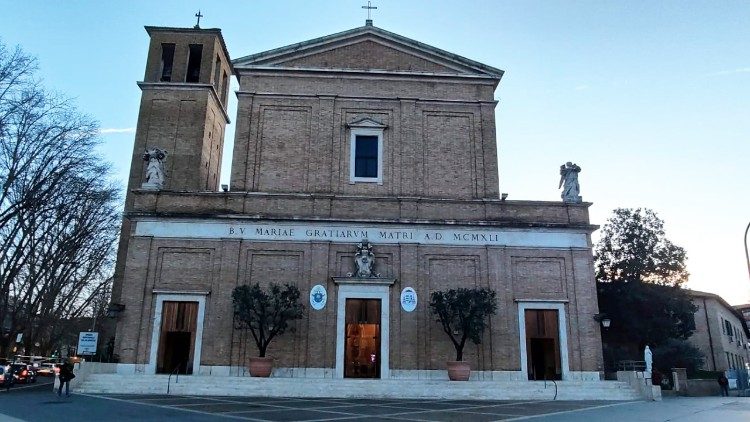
column 631, row 365
column 175, row 371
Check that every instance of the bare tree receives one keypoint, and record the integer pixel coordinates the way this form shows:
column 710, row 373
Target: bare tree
column 58, row 212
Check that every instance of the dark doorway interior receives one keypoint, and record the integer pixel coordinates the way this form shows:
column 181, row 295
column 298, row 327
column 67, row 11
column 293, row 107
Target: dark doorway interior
column 177, row 337
column 362, row 345
column 543, row 359
column 177, row 351
column 543, row 344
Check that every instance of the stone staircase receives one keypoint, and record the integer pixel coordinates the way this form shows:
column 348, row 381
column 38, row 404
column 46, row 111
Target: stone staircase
column 355, row 388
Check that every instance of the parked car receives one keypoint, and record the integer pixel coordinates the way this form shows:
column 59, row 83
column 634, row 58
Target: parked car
column 6, row 379
column 24, row 373
column 46, row 370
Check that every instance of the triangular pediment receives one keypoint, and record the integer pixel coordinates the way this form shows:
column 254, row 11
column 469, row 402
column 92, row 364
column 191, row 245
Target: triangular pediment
column 371, row 49
column 367, row 123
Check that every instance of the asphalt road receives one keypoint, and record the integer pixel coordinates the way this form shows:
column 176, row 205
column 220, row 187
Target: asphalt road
column 37, row 402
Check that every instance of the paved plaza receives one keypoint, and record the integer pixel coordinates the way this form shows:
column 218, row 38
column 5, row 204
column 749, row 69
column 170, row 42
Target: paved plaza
column 38, row 403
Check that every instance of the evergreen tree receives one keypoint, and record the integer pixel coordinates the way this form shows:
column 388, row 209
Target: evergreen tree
column 639, row 275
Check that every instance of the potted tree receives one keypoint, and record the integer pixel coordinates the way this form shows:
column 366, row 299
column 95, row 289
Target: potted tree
column 266, row 314
column 463, row 314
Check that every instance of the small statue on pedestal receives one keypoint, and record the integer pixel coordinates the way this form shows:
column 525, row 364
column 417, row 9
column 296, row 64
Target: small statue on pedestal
column 155, row 175
column 569, row 182
column 648, row 358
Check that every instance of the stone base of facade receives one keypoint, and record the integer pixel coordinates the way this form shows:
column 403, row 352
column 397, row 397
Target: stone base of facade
column 110, row 378
column 317, row 373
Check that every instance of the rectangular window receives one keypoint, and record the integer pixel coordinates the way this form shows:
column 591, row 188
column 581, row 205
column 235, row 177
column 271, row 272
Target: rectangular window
column 366, row 156
column 194, row 63
column 366, row 147
column 224, row 88
column 167, row 60
column 217, row 75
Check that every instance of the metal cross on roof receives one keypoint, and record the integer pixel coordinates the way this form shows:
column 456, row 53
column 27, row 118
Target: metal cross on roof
column 369, row 7
column 199, row 16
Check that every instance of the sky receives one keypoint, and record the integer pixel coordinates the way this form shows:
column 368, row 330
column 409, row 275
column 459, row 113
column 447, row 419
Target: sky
column 650, row 98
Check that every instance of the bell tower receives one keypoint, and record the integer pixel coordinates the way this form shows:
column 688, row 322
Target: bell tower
column 183, row 112
column 183, row 107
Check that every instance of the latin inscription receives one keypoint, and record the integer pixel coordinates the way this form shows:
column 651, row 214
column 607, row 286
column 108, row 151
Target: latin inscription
column 387, row 235
column 338, row 234
column 351, row 233
column 475, row 237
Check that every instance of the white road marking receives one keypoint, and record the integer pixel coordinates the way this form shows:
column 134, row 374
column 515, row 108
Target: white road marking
column 42, row 384
column 520, row 418
column 169, row 407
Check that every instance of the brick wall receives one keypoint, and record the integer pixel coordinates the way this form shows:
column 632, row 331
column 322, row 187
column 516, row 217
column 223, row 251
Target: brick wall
column 416, row 340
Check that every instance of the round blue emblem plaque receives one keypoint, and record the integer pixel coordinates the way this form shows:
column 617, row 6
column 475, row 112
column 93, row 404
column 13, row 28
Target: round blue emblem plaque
column 318, row 297
column 408, row 299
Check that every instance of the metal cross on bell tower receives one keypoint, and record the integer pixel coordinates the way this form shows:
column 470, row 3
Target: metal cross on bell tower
column 198, row 24
column 369, row 7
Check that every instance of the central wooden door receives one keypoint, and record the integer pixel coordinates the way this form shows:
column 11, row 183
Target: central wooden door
column 543, row 344
column 362, row 344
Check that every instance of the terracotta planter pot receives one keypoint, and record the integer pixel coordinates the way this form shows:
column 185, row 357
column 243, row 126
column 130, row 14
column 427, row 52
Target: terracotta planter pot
column 261, row 367
column 458, row 370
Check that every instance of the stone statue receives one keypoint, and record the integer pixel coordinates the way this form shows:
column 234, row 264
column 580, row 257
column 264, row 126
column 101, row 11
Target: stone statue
column 365, row 260
column 647, row 356
column 569, row 182
column 155, row 175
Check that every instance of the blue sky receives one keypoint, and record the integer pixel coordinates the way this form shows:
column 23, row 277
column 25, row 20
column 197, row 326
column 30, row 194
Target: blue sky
column 651, row 99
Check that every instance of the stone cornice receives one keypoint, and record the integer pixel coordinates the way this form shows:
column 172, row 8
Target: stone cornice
column 363, row 97
column 361, row 73
column 367, row 198
column 350, row 208
column 186, row 86
column 377, row 281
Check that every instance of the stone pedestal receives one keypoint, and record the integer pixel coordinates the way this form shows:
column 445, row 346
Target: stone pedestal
column 679, row 375
column 641, row 383
column 151, row 186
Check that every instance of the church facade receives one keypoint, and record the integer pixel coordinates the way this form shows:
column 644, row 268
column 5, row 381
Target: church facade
column 363, row 137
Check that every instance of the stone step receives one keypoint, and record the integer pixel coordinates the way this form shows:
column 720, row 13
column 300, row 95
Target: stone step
column 298, row 387
column 560, row 388
column 223, row 379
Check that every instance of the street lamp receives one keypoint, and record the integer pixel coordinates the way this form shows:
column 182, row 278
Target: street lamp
column 747, row 256
column 603, row 319
column 115, row 309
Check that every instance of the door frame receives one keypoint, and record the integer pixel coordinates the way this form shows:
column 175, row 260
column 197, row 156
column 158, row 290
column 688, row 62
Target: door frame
column 361, row 291
column 562, row 328
column 156, row 329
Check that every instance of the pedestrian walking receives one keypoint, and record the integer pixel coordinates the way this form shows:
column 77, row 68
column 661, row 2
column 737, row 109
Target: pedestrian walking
column 723, row 384
column 7, row 373
column 66, row 374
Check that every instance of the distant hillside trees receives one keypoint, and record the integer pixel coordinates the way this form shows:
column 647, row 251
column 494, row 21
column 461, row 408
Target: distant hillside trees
column 58, row 212
column 639, row 274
